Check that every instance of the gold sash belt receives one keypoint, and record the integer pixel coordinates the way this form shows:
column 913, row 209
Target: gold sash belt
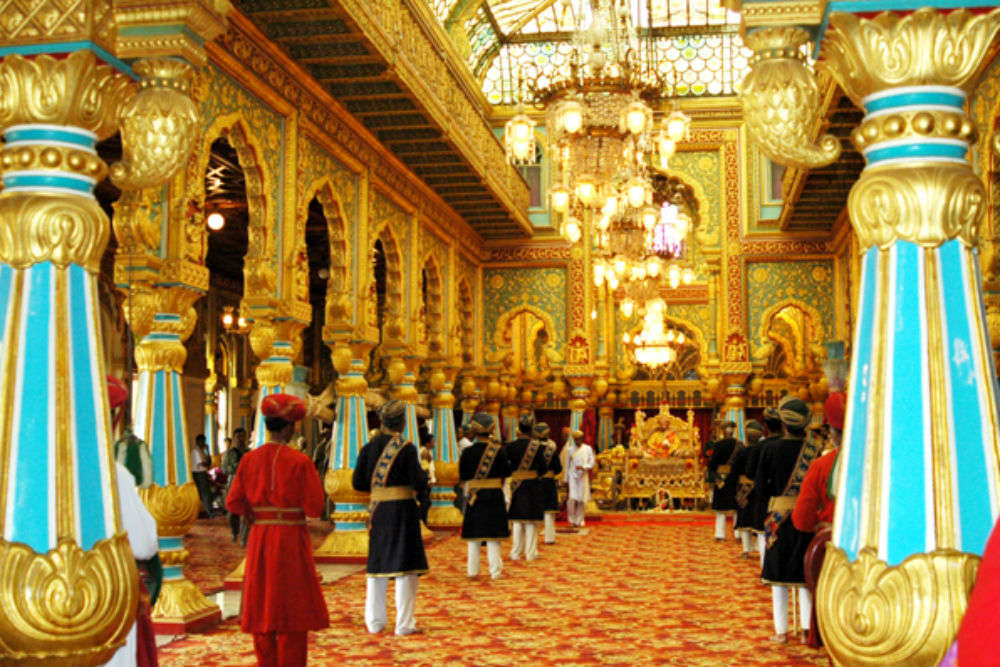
column 745, row 480
column 723, row 470
column 278, row 516
column 383, row 494
column 781, row 503
column 549, row 475
column 487, row 483
column 521, row 475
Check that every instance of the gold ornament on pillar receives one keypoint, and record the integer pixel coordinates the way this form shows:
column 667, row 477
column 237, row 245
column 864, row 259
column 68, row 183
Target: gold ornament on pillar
column 936, row 201
column 781, row 100
column 75, row 91
column 159, row 125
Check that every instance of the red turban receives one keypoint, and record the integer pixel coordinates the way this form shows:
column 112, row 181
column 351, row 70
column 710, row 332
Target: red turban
column 284, row 406
column 117, row 392
column 834, row 409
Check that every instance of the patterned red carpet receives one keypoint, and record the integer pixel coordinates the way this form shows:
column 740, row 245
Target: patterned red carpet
column 642, row 590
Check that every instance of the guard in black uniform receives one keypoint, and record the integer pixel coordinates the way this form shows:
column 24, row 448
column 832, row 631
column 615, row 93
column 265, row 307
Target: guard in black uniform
column 782, row 467
column 757, row 502
column 483, row 465
column 744, row 490
column 527, row 458
column 389, row 468
column 548, row 488
column 719, row 465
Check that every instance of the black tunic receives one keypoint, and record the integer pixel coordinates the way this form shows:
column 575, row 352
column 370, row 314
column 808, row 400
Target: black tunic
column 723, row 498
column 548, row 489
column 784, row 562
column 394, row 543
column 757, row 503
column 740, row 467
column 487, row 518
column 526, row 499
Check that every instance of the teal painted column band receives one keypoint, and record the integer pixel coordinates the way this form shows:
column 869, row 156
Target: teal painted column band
column 350, row 525
column 51, row 311
column 350, row 430
column 445, row 441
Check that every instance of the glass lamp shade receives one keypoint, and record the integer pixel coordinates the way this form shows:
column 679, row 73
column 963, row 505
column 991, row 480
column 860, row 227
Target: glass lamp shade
column 635, row 118
column 680, row 338
column 653, row 266
column 637, row 190
column 620, row 266
column 227, row 319
column 241, row 322
column 628, row 307
column 215, row 221
column 519, row 138
column 674, row 276
column 650, row 217
column 687, row 275
column 603, row 222
column 610, row 208
column 598, row 274
column 666, row 147
column 677, row 124
column 559, row 198
column 586, row 190
column 612, row 281
column 573, row 230
column 570, row 117
column 626, row 338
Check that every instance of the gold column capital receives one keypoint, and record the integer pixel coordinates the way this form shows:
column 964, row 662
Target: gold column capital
column 181, row 27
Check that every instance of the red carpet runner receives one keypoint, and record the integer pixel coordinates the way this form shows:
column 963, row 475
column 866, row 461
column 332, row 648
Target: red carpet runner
column 655, row 591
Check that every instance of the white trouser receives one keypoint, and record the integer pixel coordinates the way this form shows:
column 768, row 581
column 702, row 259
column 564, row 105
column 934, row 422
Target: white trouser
column 575, row 511
column 550, row 527
column 720, row 525
column 524, row 540
column 493, row 557
column 779, row 602
column 761, row 547
column 745, row 539
column 406, row 596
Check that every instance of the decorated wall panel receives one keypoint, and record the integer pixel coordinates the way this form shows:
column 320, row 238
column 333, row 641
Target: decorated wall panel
column 809, row 282
column 506, row 290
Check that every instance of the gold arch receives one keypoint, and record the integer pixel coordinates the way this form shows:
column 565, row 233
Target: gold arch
column 338, row 286
column 258, row 270
column 434, row 310
column 393, row 275
column 465, row 314
column 699, row 192
column 504, row 321
column 814, row 317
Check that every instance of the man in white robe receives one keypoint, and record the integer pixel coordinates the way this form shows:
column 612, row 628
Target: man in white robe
column 140, row 527
column 580, row 463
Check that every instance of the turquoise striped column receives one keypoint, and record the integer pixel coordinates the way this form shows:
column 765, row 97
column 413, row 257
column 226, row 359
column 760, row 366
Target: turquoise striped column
column 605, row 428
column 443, row 513
column 272, row 375
column 348, row 542
column 920, row 461
column 158, row 409
column 735, row 409
column 406, row 391
column 577, row 405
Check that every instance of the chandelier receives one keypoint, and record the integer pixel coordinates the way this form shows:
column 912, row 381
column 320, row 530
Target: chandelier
column 656, row 345
column 600, row 128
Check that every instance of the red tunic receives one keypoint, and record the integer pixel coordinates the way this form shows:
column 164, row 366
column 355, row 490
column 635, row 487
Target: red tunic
column 814, row 504
column 977, row 636
column 280, row 588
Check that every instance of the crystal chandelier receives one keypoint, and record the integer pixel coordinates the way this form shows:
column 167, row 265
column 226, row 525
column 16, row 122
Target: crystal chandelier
column 656, row 344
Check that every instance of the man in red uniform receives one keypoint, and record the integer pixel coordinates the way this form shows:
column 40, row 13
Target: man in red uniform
column 275, row 488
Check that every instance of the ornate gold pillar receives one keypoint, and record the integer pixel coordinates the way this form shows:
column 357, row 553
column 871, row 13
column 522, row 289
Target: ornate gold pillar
column 158, row 409
column 471, row 396
column 443, row 513
column 348, row 542
column 69, row 585
column 918, row 492
column 275, row 342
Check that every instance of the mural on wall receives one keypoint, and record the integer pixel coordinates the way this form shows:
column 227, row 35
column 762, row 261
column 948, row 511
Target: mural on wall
column 702, row 169
column 807, row 282
column 508, row 292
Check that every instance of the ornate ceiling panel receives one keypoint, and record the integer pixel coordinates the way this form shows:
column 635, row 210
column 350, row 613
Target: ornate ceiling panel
column 364, row 54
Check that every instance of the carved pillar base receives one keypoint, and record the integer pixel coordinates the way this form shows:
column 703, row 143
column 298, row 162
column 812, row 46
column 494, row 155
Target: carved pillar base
column 348, row 543
column 181, row 608
column 444, row 515
column 874, row 615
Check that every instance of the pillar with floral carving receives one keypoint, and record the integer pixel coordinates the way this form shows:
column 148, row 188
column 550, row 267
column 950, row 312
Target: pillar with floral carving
column 274, row 342
column 919, row 489
column 471, row 398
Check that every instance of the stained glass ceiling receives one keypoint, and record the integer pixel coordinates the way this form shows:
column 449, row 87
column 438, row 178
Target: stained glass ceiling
column 695, row 42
